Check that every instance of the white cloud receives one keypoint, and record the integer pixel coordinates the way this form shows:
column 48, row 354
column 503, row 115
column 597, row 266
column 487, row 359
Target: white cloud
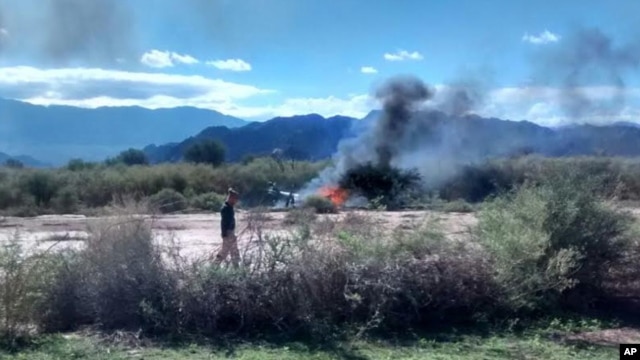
column 402, row 55
column 544, row 105
column 91, row 87
column 4, row 33
column 355, row 105
column 368, row 70
column 231, row 64
column 162, row 59
column 544, row 37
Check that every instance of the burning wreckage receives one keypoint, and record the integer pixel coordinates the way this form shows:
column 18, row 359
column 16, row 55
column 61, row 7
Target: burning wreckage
column 370, row 167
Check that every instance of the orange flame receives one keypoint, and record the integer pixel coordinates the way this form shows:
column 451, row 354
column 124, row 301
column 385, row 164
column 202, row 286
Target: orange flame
column 337, row 195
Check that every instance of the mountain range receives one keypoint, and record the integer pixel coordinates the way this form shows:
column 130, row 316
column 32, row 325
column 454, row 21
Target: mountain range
column 55, row 134
column 470, row 137
column 52, row 135
column 309, row 137
column 24, row 159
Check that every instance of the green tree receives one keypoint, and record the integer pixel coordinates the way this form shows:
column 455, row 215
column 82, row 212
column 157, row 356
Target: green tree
column 130, row 157
column 206, row 151
column 42, row 186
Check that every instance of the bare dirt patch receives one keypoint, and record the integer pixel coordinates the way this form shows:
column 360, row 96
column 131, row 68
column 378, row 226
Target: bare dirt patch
column 198, row 234
column 608, row 337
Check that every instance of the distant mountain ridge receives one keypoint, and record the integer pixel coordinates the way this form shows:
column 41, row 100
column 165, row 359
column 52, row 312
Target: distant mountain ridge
column 57, row 133
column 312, row 137
column 25, row 160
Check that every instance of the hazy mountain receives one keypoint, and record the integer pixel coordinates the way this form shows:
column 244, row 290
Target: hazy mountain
column 57, row 133
column 314, row 137
column 26, row 160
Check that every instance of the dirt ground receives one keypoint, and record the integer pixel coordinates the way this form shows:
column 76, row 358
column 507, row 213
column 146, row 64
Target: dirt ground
column 199, row 234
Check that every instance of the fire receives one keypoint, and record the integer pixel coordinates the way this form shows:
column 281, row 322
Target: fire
column 337, row 195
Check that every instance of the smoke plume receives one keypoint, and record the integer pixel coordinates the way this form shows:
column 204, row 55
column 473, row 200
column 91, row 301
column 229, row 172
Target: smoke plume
column 97, row 30
column 400, row 98
column 401, row 136
column 63, row 31
column 585, row 58
column 461, row 97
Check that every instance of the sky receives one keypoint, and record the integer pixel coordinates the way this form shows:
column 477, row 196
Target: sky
column 257, row 59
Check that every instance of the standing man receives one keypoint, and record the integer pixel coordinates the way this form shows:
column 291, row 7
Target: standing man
column 228, row 227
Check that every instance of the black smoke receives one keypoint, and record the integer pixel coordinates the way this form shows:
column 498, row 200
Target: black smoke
column 4, row 35
column 62, row 32
column 97, row 30
column 585, row 58
column 400, row 97
column 367, row 163
column 461, row 97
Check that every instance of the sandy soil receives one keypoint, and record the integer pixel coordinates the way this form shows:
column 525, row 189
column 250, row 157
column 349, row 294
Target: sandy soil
column 198, row 234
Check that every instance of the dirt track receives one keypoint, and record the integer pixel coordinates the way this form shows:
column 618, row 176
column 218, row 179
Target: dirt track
column 198, row 234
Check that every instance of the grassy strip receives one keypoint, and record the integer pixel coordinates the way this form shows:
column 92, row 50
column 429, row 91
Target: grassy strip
column 531, row 346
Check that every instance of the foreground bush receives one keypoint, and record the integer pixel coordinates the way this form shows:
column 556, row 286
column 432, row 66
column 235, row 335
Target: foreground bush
column 290, row 285
column 537, row 249
column 553, row 243
column 118, row 281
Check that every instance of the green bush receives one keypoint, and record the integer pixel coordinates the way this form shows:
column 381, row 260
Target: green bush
column 208, row 201
column 98, row 186
column 459, row 206
column 320, row 204
column 206, row 151
column 129, row 157
column 66, row 201
column 42, row 185
column 551, row 242
column 168, row 201
column 10, row 197
column 79, row 165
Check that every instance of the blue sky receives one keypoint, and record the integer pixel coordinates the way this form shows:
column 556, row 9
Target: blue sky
column 257, row 59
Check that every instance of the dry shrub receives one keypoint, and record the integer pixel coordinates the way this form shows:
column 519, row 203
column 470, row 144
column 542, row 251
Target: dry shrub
column 320, row 204
column 296, row 283
column 289, row 285
column 118, row 281
column 294, row 286
column 18, row 272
